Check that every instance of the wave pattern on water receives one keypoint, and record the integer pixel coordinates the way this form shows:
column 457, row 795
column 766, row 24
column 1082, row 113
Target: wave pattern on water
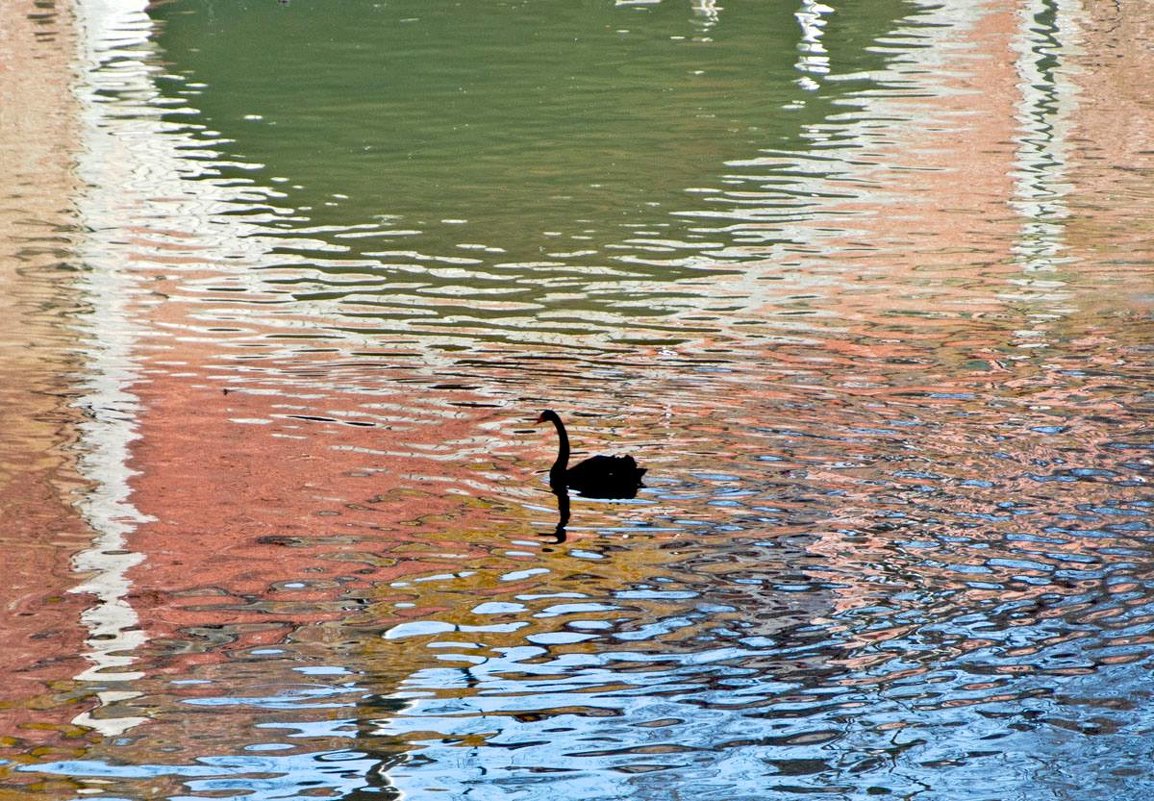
column 894, row 533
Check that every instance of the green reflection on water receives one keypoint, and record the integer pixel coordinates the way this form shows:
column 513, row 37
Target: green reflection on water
column 528, row 120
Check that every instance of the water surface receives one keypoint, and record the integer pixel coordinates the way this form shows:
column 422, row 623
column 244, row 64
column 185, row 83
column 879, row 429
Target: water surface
column 860, row 288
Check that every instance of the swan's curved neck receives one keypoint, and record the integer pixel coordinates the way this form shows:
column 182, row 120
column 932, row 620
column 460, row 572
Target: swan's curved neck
column 562, row 448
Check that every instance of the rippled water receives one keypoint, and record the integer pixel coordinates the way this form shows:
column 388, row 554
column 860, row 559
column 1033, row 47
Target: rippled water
column 864, row 290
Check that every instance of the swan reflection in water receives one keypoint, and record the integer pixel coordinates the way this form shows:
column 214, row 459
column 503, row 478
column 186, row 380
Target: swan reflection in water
column 562, row 493
column 605, row 477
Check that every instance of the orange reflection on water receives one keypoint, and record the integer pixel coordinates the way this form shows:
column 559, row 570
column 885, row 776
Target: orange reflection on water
column 40, row 483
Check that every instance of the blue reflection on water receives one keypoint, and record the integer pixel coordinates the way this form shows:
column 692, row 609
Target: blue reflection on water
column 295, row 776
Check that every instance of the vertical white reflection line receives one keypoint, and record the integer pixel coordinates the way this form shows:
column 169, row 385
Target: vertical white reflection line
column 708, row 11
column 813, row 58
column 114, row 32
column 1047, row 102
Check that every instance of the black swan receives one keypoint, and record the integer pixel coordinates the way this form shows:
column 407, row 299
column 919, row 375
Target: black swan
column 597, row 476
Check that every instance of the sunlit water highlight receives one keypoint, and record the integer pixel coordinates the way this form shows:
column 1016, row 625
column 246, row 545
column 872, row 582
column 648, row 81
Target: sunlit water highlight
column 895, row 534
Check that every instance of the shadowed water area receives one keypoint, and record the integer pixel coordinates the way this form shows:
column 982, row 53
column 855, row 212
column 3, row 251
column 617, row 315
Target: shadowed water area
column 866, row 290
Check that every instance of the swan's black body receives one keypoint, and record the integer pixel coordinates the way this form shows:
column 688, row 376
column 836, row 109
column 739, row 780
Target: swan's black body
column 596, row 477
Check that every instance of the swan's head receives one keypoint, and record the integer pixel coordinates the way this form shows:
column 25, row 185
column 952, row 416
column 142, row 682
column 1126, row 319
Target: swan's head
column 548, row 416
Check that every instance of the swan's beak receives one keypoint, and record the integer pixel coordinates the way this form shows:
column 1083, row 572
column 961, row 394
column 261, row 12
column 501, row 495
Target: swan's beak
column 540, row 419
